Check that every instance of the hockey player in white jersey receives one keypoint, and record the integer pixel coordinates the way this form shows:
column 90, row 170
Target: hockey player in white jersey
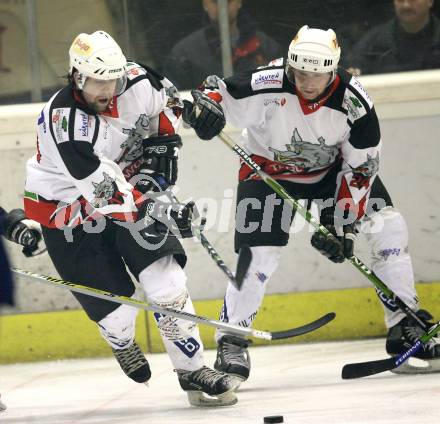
column 112, row 123
column 313, row 127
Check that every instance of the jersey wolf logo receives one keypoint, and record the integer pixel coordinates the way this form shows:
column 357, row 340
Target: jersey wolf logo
column 304, row 156
column 173, row 95
column 369, row 168
column 132, row 146
column 106, row 192
column 363, row 173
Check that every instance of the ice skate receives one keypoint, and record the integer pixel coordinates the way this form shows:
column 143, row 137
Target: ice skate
column 133, row 363
column 207, row 387
column 403, row 335
column 233, row 358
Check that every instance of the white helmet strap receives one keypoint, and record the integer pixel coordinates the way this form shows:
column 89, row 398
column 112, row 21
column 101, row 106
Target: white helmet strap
column 80, row 80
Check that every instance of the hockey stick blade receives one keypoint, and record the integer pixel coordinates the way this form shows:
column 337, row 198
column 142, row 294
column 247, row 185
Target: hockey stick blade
column 243, row 263
column 304, row 329
column 364, row 369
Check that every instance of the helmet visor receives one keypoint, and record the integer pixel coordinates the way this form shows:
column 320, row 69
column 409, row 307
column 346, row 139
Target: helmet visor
column 103, row 88
column 290, row 74
column 314, row 78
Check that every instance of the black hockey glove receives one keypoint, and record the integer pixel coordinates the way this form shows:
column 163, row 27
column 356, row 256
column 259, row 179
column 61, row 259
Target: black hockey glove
column 334, row 247
column 173, row 218
column 204, row 115
column 25, row 232
column 159, row 169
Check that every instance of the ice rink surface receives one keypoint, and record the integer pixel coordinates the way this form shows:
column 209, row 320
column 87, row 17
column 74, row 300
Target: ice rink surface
column 300, row 382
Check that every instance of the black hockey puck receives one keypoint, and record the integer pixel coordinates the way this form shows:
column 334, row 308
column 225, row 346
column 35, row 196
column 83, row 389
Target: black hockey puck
column 274, row 419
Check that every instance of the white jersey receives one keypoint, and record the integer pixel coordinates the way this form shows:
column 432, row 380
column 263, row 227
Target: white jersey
column 84, row 160
column 299, row 141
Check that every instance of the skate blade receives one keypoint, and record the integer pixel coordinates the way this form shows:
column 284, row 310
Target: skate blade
column 236, row 381
column 201, row 399
column 418, row 366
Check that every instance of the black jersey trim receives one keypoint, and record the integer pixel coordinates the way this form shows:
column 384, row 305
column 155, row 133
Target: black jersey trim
column 365, row 132
column 72, row 116
column 345, row 78
column 134, row 81
column 240, row 85
column 336, row 99
column 151, row 75
column 62, row 100
column 77, row 156
column 96, row 133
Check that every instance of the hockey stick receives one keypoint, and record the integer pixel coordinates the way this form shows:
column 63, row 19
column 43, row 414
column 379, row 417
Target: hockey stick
column 364, row 369
column 244, row 331
column 244, row 255
column 279, row 189
column 243, row 262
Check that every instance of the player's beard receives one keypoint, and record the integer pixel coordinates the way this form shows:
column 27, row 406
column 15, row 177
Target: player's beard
column 99, row 106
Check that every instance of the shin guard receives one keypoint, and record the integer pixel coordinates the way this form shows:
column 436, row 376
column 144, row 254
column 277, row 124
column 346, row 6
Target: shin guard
column 241, row 306
column 387, row 234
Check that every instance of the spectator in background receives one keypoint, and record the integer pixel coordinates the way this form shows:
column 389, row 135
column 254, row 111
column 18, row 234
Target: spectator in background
column 408, row 42
column 199, row 54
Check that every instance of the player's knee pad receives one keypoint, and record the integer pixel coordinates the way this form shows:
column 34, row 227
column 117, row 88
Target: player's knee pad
column 387, row 234
column 163, row 280
column 179, row 335
column 172, row 328
column 164, row 283
column 118, row 327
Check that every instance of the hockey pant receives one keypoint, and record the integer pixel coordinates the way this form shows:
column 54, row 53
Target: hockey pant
column 164, row 284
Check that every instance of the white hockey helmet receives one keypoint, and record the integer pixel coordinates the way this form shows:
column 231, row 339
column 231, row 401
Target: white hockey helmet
column 314, row 50
column 97, row 56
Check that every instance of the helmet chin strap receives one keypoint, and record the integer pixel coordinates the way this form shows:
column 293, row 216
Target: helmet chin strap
column 80, row 81
column 332, row 78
